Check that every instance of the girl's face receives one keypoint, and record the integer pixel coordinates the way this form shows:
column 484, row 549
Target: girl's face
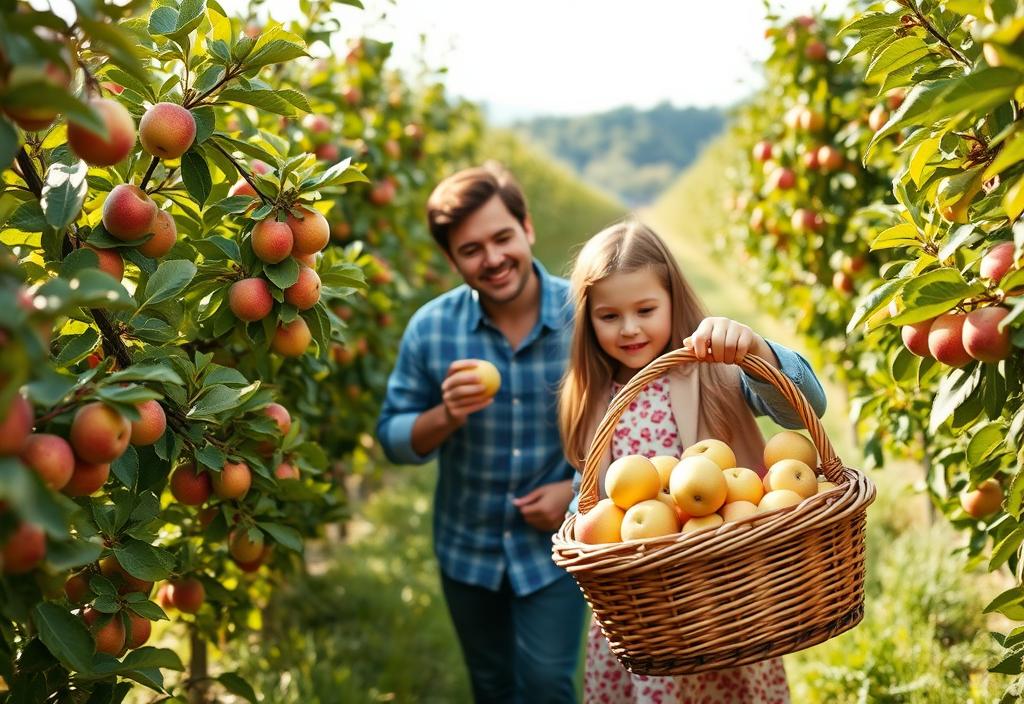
column 632, row 319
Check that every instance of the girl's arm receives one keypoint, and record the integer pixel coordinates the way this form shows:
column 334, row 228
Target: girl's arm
column 728, row 341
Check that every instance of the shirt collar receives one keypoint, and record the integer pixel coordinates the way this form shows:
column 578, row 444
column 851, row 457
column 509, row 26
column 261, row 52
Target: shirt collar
column 550, row 307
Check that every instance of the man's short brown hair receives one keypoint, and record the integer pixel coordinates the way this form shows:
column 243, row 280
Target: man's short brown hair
column 463, row 193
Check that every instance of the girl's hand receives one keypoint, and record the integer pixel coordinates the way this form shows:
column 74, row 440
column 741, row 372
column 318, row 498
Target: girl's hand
column 727, row 341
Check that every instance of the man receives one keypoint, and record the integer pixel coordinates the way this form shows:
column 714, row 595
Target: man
column 504, row 484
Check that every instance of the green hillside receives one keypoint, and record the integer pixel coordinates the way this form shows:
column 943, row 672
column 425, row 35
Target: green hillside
column 633, row 153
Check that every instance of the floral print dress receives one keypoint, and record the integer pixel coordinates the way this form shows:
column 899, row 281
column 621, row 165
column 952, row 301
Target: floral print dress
column 648, row 428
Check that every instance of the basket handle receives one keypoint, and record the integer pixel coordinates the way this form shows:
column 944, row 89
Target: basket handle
column 831, row 465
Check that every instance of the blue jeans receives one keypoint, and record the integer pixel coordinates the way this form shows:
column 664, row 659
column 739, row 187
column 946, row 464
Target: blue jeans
column 518, row 649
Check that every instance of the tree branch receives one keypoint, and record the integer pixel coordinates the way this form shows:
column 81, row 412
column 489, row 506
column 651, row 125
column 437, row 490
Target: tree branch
column 244, row 174
column 930, row 28
column 149, row 172
column 112, row 342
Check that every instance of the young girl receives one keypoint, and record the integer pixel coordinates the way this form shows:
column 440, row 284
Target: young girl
column 632, row 304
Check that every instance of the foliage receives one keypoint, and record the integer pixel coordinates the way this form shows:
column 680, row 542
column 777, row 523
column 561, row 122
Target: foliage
column 97, row 322
column 632, row 153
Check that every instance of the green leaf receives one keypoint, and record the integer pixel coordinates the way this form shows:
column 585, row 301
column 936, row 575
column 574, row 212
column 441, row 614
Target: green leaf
column 237, row 686
column 71, row 554
column 205, row 122
column 284, row 273
column 874, row 301
column 64, row 192
column 170, row 279
column 1015, row 494
column 269, row 100
column 146, row 372
column 1012, row 152
column 42, row 94
column 902, row 235
column 1011, row 597
column 78, row 260
column 149, row 656
column 285, row 535
column 147, row 609
column 211, row 456
column 126, row 468
column 32, row 499
column 275, row 52
column 215, row 399
column 76, row 347
column 953, row 390
column 9, row 142
column 901, row 52
column 933, row 293
column 143, row 560
column 985, row 442
column 29, row 217
column 1005, row 548
column 65, row 636
column 195, row 172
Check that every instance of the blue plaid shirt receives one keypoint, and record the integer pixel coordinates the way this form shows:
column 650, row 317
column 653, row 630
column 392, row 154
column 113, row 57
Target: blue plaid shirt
column 503, row 451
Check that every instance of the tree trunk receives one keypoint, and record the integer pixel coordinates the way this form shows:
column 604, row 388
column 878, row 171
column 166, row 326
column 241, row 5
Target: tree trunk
column 198, row 669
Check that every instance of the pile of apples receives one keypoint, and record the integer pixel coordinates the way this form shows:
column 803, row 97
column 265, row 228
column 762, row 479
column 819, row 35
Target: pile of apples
column 648, row 498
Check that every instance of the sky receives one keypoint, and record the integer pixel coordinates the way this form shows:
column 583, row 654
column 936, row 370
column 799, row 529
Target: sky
column 523, row 58
column 565, row 57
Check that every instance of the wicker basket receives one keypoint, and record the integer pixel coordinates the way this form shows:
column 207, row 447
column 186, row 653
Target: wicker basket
column 746, row 591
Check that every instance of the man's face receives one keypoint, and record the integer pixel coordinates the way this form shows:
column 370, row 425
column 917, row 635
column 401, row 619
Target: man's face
column 492, row 252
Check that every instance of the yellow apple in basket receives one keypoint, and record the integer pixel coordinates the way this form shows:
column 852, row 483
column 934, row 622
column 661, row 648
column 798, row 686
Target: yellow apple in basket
column 630, row 480
column 736, row 510
column 664, row 464
column 826, row 486
column 698, row 485
column 790, row 445
column 780, row 498
column 743, row 485
column 712, row 520
column 715, row 450
column 649, row 519
column 681, row 515
column 793, row 475
column 602, row 524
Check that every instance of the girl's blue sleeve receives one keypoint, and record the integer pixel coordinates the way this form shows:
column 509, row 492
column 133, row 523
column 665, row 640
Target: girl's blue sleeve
column 765, row 400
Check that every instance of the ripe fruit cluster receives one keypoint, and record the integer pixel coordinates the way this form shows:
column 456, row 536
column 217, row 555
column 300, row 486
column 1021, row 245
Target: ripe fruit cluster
column 648, row 498
column 78, row 465
column 301, row 235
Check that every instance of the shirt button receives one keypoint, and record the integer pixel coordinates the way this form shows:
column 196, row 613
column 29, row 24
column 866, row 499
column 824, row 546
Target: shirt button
column 508, row 534
column 515, row 401
column 516, row 452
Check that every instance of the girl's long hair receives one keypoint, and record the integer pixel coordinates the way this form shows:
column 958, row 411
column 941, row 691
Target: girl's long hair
column 623, row 248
